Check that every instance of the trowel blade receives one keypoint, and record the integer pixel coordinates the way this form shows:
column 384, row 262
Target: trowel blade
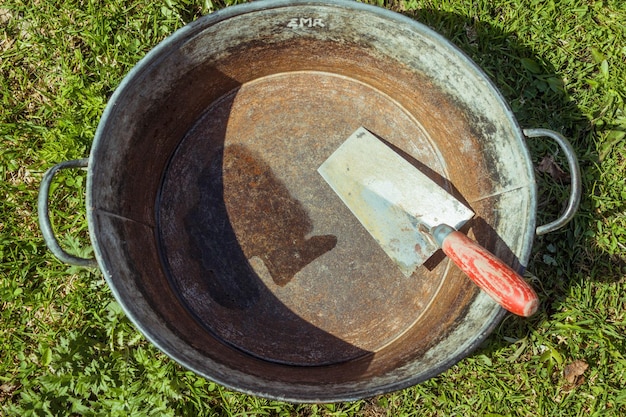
column 391, row 198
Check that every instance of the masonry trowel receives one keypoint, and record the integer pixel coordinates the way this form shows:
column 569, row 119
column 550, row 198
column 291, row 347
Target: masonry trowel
column 411, row 217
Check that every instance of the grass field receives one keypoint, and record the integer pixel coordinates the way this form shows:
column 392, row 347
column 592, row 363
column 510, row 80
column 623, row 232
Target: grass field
column 66, row 347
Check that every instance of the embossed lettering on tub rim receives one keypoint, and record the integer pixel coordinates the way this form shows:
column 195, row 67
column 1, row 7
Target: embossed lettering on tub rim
column 306, row 22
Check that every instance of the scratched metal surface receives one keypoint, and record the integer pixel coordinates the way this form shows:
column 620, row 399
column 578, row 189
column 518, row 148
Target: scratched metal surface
column 228, row 250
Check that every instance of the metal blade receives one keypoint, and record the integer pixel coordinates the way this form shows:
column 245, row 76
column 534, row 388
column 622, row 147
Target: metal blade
column 391, row 198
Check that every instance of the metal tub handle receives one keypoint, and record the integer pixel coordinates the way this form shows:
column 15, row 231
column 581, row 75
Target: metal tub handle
column 576, row 183
column 44, row 215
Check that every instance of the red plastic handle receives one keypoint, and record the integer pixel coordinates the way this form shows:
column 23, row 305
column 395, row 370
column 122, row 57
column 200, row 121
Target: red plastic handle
column 492, row 275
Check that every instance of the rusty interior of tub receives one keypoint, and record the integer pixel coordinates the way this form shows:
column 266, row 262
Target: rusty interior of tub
column 208, row 200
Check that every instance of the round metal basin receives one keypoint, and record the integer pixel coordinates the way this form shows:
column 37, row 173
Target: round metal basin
column 228, row 250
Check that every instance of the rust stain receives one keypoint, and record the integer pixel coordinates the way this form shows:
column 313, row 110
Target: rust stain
column 268, row 221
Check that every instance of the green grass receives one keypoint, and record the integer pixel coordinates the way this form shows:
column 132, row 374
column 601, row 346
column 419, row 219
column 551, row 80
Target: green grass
column 67, row 349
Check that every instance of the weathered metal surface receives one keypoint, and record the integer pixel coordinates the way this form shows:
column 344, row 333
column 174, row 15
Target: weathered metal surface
column 575, row 179
column 44, row 215
column 395, row 202
column 260, row 251
column 229, row 252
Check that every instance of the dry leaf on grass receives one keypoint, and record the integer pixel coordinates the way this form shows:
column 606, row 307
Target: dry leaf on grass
column 573, row 373
column 549, row 166
column 472, row 34
column 6, row 390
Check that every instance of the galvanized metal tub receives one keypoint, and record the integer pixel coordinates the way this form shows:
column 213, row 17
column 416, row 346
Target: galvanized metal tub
column 231, row 254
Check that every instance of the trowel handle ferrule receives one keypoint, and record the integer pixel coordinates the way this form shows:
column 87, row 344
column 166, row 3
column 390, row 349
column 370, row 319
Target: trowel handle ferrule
column 441, row 232
column 491, row 274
